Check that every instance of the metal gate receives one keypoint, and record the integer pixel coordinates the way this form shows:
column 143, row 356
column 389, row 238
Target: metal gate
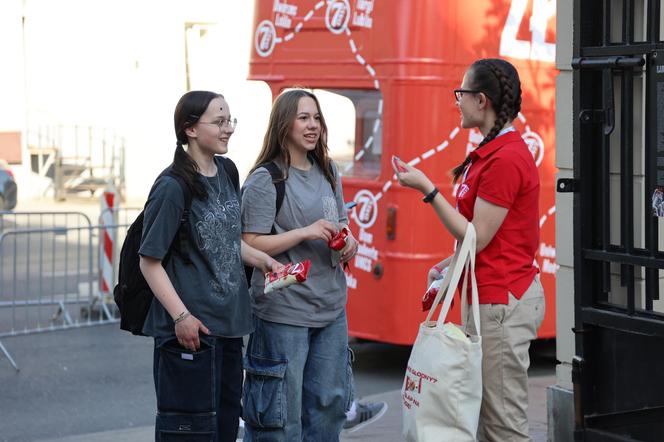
column 618, row 88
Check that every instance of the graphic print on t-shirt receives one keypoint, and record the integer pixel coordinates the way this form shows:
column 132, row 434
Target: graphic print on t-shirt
column 330, row 209
column 215, row 238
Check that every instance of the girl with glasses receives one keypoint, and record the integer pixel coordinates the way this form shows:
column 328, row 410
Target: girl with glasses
column 298, row 374
column 191, row 256
column 499, row 193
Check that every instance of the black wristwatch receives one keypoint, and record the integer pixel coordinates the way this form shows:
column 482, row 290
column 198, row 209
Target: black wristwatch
column 431, row 195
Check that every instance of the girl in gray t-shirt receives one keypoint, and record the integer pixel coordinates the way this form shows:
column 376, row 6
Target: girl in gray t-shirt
column 201, row 307
column 301, row 335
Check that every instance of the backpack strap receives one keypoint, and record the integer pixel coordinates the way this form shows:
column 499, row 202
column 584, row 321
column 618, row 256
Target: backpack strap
column 279, row 183
column 280, row 186
column 231, row 171
column 183, row 232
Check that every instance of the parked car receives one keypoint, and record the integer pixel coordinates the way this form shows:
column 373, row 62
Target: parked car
column 7, row 187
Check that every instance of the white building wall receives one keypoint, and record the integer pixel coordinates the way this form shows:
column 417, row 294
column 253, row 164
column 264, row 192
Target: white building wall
column 560, row 397
column 12, row 88
column 120, row 64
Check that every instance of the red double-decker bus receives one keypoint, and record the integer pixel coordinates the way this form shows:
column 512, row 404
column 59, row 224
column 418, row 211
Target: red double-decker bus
column 384, row 72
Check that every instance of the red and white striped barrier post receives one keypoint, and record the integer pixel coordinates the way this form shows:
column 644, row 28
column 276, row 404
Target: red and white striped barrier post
column 110, row 200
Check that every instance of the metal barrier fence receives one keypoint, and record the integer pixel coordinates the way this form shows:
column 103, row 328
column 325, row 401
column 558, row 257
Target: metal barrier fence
column 50, row 271
column 42, row 220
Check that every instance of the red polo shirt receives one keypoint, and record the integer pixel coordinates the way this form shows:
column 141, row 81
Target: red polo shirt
column 503, row 172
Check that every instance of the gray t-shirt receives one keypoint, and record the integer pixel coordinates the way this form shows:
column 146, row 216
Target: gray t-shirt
column 213, row 287
column 308, row 197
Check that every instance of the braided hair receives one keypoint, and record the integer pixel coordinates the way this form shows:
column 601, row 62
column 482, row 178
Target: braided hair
column 188, row 111
column 499, row 81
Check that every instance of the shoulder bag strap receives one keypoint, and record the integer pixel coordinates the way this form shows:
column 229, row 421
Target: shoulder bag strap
column 468, row 247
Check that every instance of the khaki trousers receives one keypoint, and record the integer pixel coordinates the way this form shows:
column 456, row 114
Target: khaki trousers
column 506, row 334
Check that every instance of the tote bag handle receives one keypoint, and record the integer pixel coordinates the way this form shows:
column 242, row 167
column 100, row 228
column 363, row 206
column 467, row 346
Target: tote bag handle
column 464, row 259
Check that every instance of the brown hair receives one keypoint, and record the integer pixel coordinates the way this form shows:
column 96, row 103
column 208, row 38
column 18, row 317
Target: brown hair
column 188, row 111
column 499, row 81
column 282, row 116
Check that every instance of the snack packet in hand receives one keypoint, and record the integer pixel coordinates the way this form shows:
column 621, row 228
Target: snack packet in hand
column 427, row 299
column 396, row 166
column 432, row 291
column 339, row 241
column 291, row 273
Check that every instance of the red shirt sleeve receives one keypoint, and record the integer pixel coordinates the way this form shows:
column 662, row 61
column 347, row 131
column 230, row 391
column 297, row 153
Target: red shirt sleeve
column 501, row 180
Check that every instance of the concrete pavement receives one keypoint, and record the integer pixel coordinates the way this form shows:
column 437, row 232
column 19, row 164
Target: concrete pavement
column 98, row 370
column 386, row 429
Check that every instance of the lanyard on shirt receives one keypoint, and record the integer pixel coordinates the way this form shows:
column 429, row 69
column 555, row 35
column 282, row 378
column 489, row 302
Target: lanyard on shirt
column 465, row 172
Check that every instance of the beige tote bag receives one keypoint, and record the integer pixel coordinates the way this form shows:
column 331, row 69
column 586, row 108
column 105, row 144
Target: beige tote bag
column 442, row 390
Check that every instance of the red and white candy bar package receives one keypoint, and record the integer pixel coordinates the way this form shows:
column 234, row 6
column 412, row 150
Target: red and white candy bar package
column 432, row 291
column 291, row 273
column 427, row 299
column 339, row 241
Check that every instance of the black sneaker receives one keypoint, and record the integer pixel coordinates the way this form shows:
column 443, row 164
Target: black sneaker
column 365, row 415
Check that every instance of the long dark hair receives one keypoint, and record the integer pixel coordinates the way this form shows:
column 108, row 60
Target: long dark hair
column 187, row 112
column 499, row 81
column 284, row 111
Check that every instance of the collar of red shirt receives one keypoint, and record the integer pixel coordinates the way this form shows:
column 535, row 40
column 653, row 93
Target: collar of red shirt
column 495, row 144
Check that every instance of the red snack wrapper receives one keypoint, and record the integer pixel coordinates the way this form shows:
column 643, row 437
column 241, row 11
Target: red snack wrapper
column 291, row 273
column 432, row 292
column 427, row 299
column 339, row 241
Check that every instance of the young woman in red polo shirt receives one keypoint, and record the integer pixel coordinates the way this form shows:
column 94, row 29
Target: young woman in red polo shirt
column 499, row 193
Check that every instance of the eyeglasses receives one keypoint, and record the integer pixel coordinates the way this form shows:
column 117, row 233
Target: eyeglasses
column 230, row 122
column 458, row 93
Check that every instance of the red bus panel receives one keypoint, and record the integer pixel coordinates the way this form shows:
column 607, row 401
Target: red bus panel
column 394, row 65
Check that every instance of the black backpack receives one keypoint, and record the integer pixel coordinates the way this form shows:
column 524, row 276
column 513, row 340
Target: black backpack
column 132, row 294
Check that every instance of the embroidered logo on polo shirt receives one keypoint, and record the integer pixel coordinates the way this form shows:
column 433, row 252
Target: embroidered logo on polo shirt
column 463, row 190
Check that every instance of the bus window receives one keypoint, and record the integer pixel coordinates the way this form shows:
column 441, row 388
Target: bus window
column 354, row 130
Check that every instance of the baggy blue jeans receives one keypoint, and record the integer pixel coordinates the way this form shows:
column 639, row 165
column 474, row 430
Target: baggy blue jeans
column 198, row 393
column 298, row 383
